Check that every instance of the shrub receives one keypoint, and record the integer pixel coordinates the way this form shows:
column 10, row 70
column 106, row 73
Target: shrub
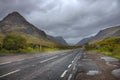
column 0, row 45
column 89, row 46
column 14, row 42
column 108, row 46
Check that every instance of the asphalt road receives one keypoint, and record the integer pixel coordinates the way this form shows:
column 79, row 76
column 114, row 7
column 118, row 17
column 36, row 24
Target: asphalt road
column 57, row 66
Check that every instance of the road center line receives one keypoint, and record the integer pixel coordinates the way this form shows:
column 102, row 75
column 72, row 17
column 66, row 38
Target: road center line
column 69, row 66
column 10, row 73
column 64, row 73
column 70, row 76
column 73, row 61
column 62, row 54
column 33, row 65
column 20, row 59
column 48, row 59
column 74, row 68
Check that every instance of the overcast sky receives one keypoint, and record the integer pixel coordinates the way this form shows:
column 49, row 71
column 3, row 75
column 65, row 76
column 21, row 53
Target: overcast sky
column 72, row 19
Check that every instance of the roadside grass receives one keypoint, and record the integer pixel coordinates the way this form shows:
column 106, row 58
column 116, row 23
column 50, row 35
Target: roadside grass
column 29, row 50
column 117, row 55
column 46, row 49
column 108, row 46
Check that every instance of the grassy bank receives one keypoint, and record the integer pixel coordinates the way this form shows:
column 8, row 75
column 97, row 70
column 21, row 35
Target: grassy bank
column 33, row 50
column 28, row 50
column 108, row 46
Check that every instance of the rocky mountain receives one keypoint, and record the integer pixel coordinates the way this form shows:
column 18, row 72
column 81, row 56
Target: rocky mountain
column 106, row 33
column 58, row 39
column 14, row 23
column 84, row 41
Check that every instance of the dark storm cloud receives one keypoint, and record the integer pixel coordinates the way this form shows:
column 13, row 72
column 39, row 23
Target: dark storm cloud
column 72, row 19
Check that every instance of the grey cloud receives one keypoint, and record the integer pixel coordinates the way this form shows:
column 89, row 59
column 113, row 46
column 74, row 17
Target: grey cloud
column 72, row 19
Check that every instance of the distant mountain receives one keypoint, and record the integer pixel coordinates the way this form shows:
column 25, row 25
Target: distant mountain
column 14, row 23
column 106, row 33
column 84, row 41
column 58, row 39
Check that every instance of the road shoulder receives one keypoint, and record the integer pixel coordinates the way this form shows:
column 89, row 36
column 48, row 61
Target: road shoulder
column 97, row 67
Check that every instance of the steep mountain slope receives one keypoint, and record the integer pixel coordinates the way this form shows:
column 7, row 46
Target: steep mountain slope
column 14, row 23
column 59, row 40
column 106, row 33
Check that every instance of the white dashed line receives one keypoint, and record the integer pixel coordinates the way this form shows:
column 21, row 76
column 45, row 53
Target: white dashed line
column 62, row 54
column 11, row 61
column 20, row 59
column 69, row 66
column 48, row 59
column 33, row 65
column 4, row 63
column 73, row 61
column 30, row 57
column 70, row 76
column 74, row 68
column 9, row 73
column 64, row 73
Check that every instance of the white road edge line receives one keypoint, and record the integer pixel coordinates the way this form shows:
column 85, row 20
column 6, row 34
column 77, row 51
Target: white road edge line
column 48, row 59
column 69, row 65
column 70, row 76
column 9, row 73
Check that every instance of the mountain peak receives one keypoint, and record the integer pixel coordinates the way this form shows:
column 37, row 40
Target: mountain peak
column 14, row 13
column 14, row 16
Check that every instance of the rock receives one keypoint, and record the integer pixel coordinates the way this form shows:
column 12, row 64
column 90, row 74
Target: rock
column 116, row 73
column 109, row 59
column 93, row 72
